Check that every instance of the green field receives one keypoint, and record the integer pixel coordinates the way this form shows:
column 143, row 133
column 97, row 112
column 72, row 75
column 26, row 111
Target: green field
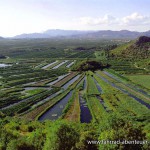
column 62, row 108
column 100, row 55
column 119, row 49
column 143, row 80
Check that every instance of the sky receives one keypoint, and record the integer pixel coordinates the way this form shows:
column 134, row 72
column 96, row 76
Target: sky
column 30, row 16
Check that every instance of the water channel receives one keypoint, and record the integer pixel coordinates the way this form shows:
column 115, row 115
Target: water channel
column 56, row 111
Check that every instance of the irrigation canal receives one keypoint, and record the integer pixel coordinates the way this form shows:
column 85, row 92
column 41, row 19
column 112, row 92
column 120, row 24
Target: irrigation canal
column 56, row 111
column 71, row 82
column 58, row 79
column 50, row 64
column 128, row 85
column 85, row 115
column 125, row 91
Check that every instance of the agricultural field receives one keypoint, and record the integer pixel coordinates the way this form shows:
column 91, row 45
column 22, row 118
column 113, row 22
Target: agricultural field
column 143, row 80
column 72, row 92
column 101, row 55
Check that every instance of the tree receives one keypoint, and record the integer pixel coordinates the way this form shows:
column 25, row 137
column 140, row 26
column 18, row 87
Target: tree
column 67, row 137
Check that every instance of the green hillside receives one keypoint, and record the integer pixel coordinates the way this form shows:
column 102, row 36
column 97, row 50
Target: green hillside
column 118, row 51
column 139, row 49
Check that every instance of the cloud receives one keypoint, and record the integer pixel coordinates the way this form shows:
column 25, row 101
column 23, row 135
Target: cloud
column 136, row 19
column 132, row 20
column 107, row 19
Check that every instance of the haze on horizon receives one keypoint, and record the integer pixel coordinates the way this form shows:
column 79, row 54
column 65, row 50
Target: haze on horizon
column 29, row 16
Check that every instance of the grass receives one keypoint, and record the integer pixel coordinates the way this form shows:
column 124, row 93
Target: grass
column 143, row 80
column 117, row 101
column 119, row 49
column 102, row 105
column 73, row 114
column 128, row 103
column 55, row 64
column 35, row 91
column 66, row 79
column 125, row 87
column 104, row 85
column 97, row 110
column 37, row 112
column 91, row 86
column 44, row 82
column 100, row 55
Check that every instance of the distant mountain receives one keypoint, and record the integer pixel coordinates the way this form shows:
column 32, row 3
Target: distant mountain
column 123, row 34
column 138, row 49
column 58, row 32
column 53, row 33
column 31, row 36
column 1, row 38
column 103, row 34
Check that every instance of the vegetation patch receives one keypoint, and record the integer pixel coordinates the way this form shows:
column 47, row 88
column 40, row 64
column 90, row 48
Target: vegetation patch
column 143, row 80
column 92, row 65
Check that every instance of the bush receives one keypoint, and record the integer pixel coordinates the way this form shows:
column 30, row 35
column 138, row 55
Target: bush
column 66, row 137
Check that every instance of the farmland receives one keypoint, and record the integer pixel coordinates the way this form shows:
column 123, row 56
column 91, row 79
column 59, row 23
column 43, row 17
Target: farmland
column 143, row 80
column 74, row 90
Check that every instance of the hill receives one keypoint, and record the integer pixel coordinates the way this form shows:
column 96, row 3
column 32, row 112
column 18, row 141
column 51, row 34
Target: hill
column 108, row 34
column 142, row 40
column 1, row 38
column 52, row 33
column 58, row 32
column 138, row 49
column 76, row 34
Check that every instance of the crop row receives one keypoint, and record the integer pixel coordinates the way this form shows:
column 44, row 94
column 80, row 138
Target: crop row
column 72, row 110
column 38, row 111
column 53, row 65
column 25, row 105
column 96, row 108
column 127, row 88
column 44, row 82
column 131, row 105
column 117, row 101
column 91, row 86
column 66, row 79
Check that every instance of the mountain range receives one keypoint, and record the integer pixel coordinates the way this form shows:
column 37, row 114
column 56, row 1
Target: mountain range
column 102, row 34
column 1, row 37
